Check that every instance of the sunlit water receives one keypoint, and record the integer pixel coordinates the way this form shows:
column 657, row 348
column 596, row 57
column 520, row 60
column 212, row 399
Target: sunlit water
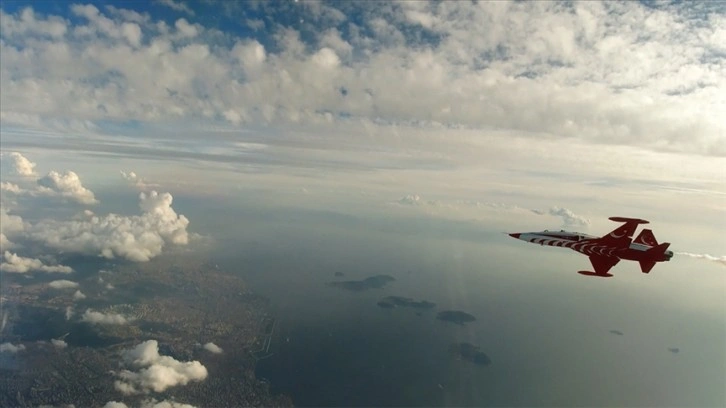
column 546, row 329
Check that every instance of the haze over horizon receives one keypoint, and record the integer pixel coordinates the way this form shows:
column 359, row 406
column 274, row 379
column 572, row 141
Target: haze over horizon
column 292, row 140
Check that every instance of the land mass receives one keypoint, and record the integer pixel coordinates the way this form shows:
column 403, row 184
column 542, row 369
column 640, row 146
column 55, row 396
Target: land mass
column 455, row 316
column 181, row 301
column 469, row 352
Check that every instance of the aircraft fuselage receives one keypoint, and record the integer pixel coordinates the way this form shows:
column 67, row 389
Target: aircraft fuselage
column 606, row 251
column 589, row 245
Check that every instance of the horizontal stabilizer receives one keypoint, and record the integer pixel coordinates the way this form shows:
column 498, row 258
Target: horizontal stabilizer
column 658, row 249
column 630, row 220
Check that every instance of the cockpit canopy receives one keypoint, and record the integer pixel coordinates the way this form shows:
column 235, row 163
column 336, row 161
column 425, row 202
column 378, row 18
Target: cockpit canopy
column 570, row 236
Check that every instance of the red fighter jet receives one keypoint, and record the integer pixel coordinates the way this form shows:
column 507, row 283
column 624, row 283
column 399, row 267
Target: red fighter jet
column 605, row 252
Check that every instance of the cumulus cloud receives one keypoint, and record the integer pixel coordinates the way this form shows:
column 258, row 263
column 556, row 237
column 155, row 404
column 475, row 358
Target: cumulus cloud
column 115, row 404
column 67, row 185
column 150, row 403
column 718, row 259
column 137, row 181
column 476, row 64
column 213, row 348
column 18, row 264
column 5, row 243
column 10, row 188
column 416, row 200
column 78, row 295
column 11, row 224
column 136, row 238
column 69, row 312
column 569, row 218
column 155, row 372
column 94, row 317
column 22, row 166
column 63, row 284
column 411, row 199
column 11, row 348
column 59, row 343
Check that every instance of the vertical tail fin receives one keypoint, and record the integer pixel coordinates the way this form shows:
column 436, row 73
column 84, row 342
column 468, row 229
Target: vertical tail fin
column 622, row 236
column 653, row 255
column 646, row 237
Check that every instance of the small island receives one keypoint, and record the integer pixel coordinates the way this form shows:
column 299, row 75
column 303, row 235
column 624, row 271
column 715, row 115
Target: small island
column 455, row 316
column 469, row 352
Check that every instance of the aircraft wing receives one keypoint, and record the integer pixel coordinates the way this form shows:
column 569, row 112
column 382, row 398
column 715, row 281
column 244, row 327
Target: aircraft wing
column 602, row 264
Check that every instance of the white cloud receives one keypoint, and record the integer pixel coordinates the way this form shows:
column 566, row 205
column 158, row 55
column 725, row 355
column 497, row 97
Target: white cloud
column 150, row 403
column 59, row 343
column 569, row 218
column 10, row 224
column 213, row 348
column 155, row 372
column 67, row 185
column 69, row 312
column 186, row 29
column 10, row 187
column 22, row 166
column 94, row 317
column 11, row 348
column 136, row 238
column 718, row 259
column 78, row 295
column 5, row 243
column 487, row 66
column 18, row 264
column 137, row 181
column 115, row 404
column 63, row 284
column 176, row 5
column 411, row 199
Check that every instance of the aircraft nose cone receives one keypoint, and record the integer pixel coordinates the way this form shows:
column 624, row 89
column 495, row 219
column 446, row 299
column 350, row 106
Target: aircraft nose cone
column 515, row 235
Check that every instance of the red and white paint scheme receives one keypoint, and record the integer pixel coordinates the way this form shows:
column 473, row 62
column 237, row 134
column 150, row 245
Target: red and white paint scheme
column 606, row 251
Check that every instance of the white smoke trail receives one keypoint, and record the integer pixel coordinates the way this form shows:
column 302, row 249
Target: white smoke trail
column 718, row 259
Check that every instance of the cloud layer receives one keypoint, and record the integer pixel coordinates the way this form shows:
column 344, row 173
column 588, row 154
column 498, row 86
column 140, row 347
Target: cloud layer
column 11, row 348
column 616, row 72
column 65, row 185
column 155, row 372
column 17, row 264
column 136, row 238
